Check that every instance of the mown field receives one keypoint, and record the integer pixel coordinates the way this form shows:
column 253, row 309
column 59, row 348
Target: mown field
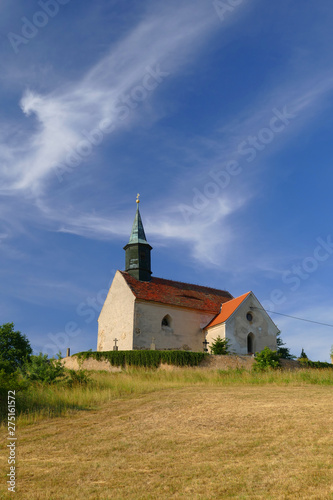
column 187, row 433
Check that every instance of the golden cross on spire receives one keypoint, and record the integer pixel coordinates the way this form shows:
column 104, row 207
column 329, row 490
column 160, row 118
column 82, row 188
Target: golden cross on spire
column 137, row 198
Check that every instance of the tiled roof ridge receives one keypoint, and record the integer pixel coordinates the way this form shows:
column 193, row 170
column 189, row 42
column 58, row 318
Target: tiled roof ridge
column 181, row 283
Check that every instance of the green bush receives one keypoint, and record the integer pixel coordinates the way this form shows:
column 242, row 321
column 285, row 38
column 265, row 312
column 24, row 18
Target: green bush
column 220, row 346
column 146, row 358
column 306, row 363
column 41, row 369
column 10, row 381
column 77, row 378
column 266, row 360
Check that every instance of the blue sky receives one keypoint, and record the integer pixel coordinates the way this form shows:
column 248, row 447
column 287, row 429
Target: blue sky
column 218, row 113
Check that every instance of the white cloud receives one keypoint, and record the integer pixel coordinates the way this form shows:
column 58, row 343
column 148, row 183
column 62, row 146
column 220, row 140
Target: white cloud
column 58, row 118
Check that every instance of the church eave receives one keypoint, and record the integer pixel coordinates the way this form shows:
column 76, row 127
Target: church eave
column 139, row 242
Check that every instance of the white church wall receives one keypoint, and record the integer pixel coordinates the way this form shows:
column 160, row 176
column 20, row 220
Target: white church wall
column 185, row 330
column 238, row 327
column 116, row 317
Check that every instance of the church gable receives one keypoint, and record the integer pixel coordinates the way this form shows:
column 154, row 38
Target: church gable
column 246, row 324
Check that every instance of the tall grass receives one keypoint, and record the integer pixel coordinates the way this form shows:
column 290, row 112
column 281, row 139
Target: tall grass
column 40, row 401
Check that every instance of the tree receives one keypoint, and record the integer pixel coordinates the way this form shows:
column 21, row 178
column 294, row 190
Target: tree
column 15, row 348
column 220, row 346
column 283, row 352
column 303, row 355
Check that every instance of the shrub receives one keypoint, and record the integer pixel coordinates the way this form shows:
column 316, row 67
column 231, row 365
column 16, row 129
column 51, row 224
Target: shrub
column 9, row 381
column 266, row 359
column 77, row 378
column 41, row 369
column 146, row 358
column 306, row 363
column 220, row 346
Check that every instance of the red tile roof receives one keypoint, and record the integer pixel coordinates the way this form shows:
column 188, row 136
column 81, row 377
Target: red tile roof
column 227, row 310
column 176, row 293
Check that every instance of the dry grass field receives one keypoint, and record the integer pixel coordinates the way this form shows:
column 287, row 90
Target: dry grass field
column 183, row 435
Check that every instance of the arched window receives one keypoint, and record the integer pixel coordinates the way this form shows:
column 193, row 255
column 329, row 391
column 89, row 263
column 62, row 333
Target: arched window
column 250, row 343
column 166, row 321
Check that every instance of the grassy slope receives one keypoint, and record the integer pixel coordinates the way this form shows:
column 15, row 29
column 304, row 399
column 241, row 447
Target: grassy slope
column 196, row 436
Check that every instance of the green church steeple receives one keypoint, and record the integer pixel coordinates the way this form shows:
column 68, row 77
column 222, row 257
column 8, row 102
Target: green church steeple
column 137, row 256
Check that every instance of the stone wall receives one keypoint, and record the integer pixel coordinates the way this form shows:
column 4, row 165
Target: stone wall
column 228, row 362
column 211, row 363
column 72, row 363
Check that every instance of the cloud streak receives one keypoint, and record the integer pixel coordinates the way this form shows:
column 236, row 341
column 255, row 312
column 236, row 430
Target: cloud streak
column 57, row 119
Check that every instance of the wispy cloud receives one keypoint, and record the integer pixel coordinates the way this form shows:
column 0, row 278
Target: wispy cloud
column 58, row 119
column 204, row 233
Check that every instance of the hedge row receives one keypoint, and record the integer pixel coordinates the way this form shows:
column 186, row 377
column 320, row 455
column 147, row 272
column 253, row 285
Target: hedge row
column 145, row 358
column 306, row 363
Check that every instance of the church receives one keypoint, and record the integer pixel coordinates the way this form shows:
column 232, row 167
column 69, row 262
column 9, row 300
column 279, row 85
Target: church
column 144, row 312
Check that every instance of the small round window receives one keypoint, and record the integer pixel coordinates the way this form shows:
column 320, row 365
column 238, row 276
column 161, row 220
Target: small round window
column 249, row 317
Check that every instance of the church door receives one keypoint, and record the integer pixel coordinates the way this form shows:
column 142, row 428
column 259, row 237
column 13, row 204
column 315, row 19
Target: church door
column 250, row 343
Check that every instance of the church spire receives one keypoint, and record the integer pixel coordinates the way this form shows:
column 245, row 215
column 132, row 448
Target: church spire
column 137, row 250
column 138, row 233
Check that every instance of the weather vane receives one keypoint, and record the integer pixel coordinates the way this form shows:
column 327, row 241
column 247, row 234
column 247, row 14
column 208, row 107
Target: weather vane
column 137, row 198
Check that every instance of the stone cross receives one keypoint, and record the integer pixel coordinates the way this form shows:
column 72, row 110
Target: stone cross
column 205, row 343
